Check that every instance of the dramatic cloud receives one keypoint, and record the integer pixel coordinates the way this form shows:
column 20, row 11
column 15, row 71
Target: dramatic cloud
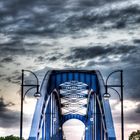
column 8, row 118
column 130, row 117
column 13, row 79
column 138, row 109
column 83, row 53
column 51, row 57
column 58, row 18
column 7, row 60
column 137, row 41
column 1, row 75
column 78, row 34
column 53, row 19
column 131, row 81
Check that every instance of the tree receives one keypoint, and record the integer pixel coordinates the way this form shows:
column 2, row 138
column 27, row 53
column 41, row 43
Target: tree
column 135, row 135
column 11, row 137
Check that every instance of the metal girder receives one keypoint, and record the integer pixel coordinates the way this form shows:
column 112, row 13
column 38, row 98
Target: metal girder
column 95, row 106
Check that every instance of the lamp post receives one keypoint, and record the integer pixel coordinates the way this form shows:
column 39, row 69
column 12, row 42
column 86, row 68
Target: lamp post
column 107, row 95
column 23, row 94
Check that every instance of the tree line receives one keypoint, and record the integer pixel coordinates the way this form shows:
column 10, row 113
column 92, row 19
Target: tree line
column 135, row 135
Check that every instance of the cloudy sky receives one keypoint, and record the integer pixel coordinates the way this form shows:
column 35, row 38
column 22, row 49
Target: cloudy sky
column 85, row 34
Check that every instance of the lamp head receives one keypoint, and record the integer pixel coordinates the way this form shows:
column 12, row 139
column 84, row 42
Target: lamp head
column 37, row 95
column 91, row 119
column 54, row 119
column 106, row 96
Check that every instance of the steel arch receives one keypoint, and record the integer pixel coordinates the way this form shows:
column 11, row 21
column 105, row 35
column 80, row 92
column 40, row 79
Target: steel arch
column 98, row 109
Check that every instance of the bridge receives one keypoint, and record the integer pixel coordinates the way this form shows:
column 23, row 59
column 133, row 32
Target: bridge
column 72, row 94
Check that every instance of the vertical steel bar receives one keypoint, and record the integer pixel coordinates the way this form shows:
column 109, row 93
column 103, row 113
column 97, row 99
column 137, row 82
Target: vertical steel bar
column 44, row 119
column 21, row 111
column 122, row 113
column 95, row 116
column 51, row 119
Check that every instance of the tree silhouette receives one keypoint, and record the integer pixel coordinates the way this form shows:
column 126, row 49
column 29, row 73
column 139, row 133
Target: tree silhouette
column 135, row 135
column 11, row 137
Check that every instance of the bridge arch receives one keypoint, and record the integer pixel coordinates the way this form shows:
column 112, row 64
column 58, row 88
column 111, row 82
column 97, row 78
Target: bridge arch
column 74, row 116
column 103, row 124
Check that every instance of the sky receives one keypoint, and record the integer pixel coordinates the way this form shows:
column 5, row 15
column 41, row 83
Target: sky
column 77, row 34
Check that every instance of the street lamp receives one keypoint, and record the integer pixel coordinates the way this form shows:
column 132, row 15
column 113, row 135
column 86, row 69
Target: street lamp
column 23, row 94
column 86, row 128
column 107, row 96
column 91, row 119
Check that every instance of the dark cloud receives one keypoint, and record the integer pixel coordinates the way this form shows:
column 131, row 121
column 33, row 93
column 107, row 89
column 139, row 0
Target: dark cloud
column 54, row 58
column 19, row 49
column 90, row 3
column 25, row 19
column 131, row 81
column 8, row 118
column 14, row 78
column 130, row 117
column 12, row 7
column 55, row 18
column 49, row 57
column 137, row 41
column 3, row 105
column 40, row 59
column 11, row 42
column 84, row 53
column 28, row 18
column 2, row 75
column 13, row 50
column 138, row 109
column 119, row 18
column 7, row 60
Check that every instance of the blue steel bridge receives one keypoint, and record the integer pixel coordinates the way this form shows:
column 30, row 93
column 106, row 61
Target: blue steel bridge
column 72, row 94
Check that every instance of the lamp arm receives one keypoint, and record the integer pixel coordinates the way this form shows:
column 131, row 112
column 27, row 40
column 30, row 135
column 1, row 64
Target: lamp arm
column 116, row 92
column 111, row 74
column 33, row 74
column 28, row 91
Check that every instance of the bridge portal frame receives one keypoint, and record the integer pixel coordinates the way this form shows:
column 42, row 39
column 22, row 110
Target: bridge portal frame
column 53, row 79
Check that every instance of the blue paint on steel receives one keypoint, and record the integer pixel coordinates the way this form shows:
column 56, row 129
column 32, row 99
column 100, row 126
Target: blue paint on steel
column 102, row 124
column 73, row 116
column 43, row 134
column 110, row 132
column 48, row 123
